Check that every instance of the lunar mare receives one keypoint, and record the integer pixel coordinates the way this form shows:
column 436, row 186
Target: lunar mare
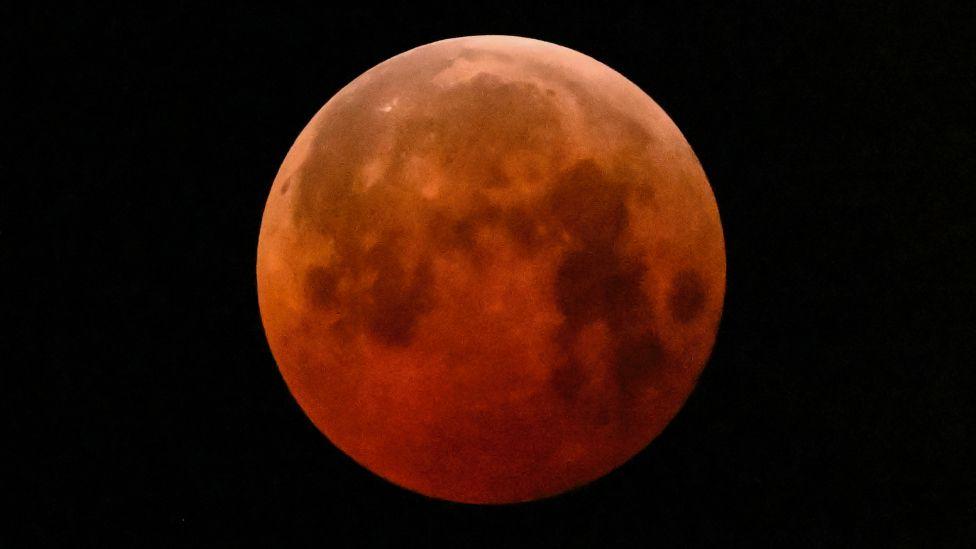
column 491, row 269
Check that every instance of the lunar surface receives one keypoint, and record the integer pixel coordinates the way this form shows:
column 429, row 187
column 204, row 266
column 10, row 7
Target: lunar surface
column 491, row 269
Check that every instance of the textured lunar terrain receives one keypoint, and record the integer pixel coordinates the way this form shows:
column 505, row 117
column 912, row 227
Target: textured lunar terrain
column 491, row 269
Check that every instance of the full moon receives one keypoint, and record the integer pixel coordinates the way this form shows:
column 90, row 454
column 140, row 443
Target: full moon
column 491, row 269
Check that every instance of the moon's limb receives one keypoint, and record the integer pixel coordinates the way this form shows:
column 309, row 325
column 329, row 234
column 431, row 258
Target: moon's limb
column 491, row 269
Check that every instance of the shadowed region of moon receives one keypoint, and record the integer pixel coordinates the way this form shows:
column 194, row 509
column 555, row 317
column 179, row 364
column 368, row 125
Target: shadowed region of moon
column 491, row 269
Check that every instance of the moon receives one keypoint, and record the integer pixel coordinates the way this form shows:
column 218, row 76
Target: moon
column 491, row 269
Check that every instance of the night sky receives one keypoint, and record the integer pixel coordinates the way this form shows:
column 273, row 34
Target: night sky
column 835, row 410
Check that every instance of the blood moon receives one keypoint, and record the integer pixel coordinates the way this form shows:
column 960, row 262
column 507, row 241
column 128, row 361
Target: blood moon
column 491, row 269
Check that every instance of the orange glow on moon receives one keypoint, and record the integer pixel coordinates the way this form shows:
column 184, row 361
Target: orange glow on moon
column 491, row 269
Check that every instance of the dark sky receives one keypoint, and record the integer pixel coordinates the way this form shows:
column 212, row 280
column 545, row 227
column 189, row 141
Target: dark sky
column 836, row 409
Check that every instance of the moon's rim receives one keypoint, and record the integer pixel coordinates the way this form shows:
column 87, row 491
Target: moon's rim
column 683, row 400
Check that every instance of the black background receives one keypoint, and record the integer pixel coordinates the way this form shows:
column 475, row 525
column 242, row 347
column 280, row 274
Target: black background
column 836, row 408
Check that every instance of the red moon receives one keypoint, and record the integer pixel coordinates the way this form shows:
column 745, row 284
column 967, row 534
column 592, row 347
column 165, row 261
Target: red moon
column 491, row 269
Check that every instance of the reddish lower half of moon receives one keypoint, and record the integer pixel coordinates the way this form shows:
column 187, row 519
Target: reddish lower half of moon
column 491, row 269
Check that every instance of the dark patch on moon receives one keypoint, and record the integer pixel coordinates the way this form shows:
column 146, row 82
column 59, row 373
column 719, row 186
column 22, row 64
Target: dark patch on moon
column 638, row 357
column 644, row 194
column 687, row 298
column 495, row 178
column 449, row 232
column 390, row 308
column 567, row 379
column 589, row 205
column 397, row 299
column 596, row 280
column 320, row 287
column 521, row 226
